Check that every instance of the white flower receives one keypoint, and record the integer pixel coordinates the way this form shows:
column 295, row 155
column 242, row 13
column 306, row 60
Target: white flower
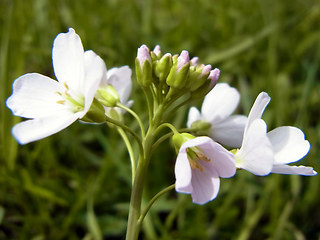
column 262, row 153
column 53, row 105
column 200, row 163
column 217, row 107
column 120, row 79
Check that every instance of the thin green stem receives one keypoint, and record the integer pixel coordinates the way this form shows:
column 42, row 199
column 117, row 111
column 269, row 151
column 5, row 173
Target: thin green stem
column 130, row 151
column 159, row 194
column 135, row 116
column 123, row 126
column 168, row 125
column 149, row 104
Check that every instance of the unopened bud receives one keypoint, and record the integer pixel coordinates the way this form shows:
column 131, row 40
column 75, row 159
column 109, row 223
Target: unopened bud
column 214, row 76
column 163, row 67
column 178, row 74
column 144, row 66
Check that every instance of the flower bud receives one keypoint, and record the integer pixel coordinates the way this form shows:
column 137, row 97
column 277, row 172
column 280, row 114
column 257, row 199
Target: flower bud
column 144, row 66
column 157, row 50
column 107, row 95
column 163, row 66
column 214, row 76
column 178, row 74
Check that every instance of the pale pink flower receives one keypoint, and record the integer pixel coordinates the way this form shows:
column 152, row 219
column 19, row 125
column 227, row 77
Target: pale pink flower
column 200, row 163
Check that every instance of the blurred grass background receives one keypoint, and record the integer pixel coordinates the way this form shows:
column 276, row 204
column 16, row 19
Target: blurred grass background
column 76, row 184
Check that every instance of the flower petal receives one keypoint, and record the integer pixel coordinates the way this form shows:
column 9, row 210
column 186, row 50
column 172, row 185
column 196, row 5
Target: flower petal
column 222, row 162
column 183, row 174
column 120, row 79
column 193, row 116
column 258, row 108
column 33, row 130
column 35, row 95
column 220, row 103
column 205, row 186
column 297, row 170
column 68, row 63
column 95, row 70
column 230, row 131
column 256, row 153
column 289, row 144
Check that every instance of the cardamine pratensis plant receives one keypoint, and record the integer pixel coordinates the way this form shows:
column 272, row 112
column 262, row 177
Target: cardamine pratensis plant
column 87, row 91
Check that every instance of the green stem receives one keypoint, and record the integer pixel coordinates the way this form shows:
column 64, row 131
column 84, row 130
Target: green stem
column 168, row 125
column 137, row 189
column 130, row 151
column 135, row 116
column 133, row 228
column 149, row 103
column 121, row 125
column 159, row 194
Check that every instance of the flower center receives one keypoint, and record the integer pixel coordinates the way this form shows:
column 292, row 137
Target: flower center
column 195, row 156
column 71, row 99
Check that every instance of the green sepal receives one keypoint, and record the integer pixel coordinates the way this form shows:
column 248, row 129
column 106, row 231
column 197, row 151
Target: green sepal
column 178, row 79
column 107, row 95
column 162, row 67
column 201, row 127
column 180, row 138
column 144, row 73
column 96, row 113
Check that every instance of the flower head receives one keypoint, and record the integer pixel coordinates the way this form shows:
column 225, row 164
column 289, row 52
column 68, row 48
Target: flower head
column 216, row 110
column 200, row 163
column 53, row 105
column 265, row 152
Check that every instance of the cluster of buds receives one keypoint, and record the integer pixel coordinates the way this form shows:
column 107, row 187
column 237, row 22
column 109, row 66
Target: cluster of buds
column 177, row 74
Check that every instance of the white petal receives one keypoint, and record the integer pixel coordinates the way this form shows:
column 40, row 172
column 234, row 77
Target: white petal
column 289, row 144
column 35, row 95
column 205, row 186
column 222, row 162
column 193, row 116
column 120, row 79
column 183, row 174
column 230, row 131
column 258, row 108
column 256, row 154
column 220, row 103
column 95, row 70
column 297, row 170
column 33, row 130
column 68, row 63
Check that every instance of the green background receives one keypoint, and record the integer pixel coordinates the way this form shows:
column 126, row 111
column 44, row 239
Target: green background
column 76, row 184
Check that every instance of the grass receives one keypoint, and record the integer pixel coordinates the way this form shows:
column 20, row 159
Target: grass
column 67, row 187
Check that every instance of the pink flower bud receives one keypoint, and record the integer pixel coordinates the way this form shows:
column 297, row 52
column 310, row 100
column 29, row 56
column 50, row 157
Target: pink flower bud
column 183, row 59
column 214, row 76
column 157, row 50
column 194, row 61
column 143, row 54
column 206, row 69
